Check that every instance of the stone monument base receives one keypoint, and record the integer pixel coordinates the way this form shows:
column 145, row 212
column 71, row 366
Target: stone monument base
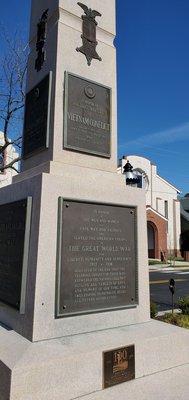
column 71, row 367
column 39, row 318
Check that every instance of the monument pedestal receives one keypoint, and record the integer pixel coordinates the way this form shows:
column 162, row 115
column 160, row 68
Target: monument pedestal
column 104, row 189
column 72, row 367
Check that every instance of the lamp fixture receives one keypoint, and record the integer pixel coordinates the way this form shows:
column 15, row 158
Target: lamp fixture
column 131, row 177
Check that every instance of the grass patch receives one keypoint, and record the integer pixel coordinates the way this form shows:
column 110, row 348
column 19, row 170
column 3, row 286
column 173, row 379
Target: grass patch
column 173, row 258
column 154, row 262
column 179, row 258
column 183, row 304
column 175, row 319
column 153, row 310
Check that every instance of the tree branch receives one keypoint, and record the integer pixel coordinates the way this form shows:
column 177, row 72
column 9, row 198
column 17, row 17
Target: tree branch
column 12, row 95
column 10, row 165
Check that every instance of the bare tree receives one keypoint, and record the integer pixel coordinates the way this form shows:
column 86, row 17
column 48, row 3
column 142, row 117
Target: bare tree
column 12, row 94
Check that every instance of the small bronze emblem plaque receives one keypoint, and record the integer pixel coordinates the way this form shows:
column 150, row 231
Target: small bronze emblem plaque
column 97, row 258
column 37, row 118
column 87, row 126
column 118, row 366
column 88, row 36
column 14, row 241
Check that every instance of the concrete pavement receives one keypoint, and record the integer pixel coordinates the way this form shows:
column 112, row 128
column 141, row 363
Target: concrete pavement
column 171, row 384
column 170, row 266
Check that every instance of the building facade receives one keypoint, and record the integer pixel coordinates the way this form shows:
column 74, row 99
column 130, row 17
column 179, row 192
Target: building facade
column 162, row 208
column 184, row 209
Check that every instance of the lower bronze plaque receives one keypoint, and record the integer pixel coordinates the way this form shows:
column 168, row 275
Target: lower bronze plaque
column 87, row 116
column 118, row 366
column 97, row 258
column 37, row 118
column 14, row 239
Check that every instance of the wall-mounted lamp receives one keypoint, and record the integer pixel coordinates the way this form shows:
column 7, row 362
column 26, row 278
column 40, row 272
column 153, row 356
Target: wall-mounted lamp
column 131, row 177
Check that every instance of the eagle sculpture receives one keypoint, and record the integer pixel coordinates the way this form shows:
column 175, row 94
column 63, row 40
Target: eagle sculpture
column 89, row 12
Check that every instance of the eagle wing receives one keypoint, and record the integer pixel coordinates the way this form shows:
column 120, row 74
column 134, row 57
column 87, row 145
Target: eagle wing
column 83, row 6
column 96, row 13
column 44, row 15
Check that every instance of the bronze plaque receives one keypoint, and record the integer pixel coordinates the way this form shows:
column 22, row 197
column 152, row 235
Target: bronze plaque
column 37, row 118
column 97, row 258
column 87, row 126
column 118, row 366
column 88, row 36
column 14, row 231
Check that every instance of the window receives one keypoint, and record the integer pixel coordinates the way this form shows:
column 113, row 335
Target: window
column 166, row 211
column 143, row 181
column 139, row 183
column 166, row 208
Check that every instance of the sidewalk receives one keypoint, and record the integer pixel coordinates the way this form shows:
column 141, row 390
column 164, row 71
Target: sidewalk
column 171, row 266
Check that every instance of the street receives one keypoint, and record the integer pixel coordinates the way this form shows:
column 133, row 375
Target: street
column 159, row 287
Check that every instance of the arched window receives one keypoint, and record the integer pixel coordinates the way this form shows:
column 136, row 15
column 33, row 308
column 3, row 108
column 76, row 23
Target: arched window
column 151, row 241
column 143, row 181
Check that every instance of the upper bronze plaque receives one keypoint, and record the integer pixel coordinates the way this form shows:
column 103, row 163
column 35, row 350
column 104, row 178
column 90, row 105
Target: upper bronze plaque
column 14, row 241
column 37, row 117
column 87, row 126
column 97, row 263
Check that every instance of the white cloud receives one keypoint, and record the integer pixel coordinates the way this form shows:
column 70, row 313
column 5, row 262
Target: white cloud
column 175, row 134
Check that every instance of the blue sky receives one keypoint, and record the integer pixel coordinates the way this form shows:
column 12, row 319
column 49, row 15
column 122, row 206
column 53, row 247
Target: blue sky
column 153, row 84
column 153, row 80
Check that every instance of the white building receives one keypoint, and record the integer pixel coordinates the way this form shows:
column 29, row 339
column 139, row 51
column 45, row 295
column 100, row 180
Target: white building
column 162, row 206
column 11, row 154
